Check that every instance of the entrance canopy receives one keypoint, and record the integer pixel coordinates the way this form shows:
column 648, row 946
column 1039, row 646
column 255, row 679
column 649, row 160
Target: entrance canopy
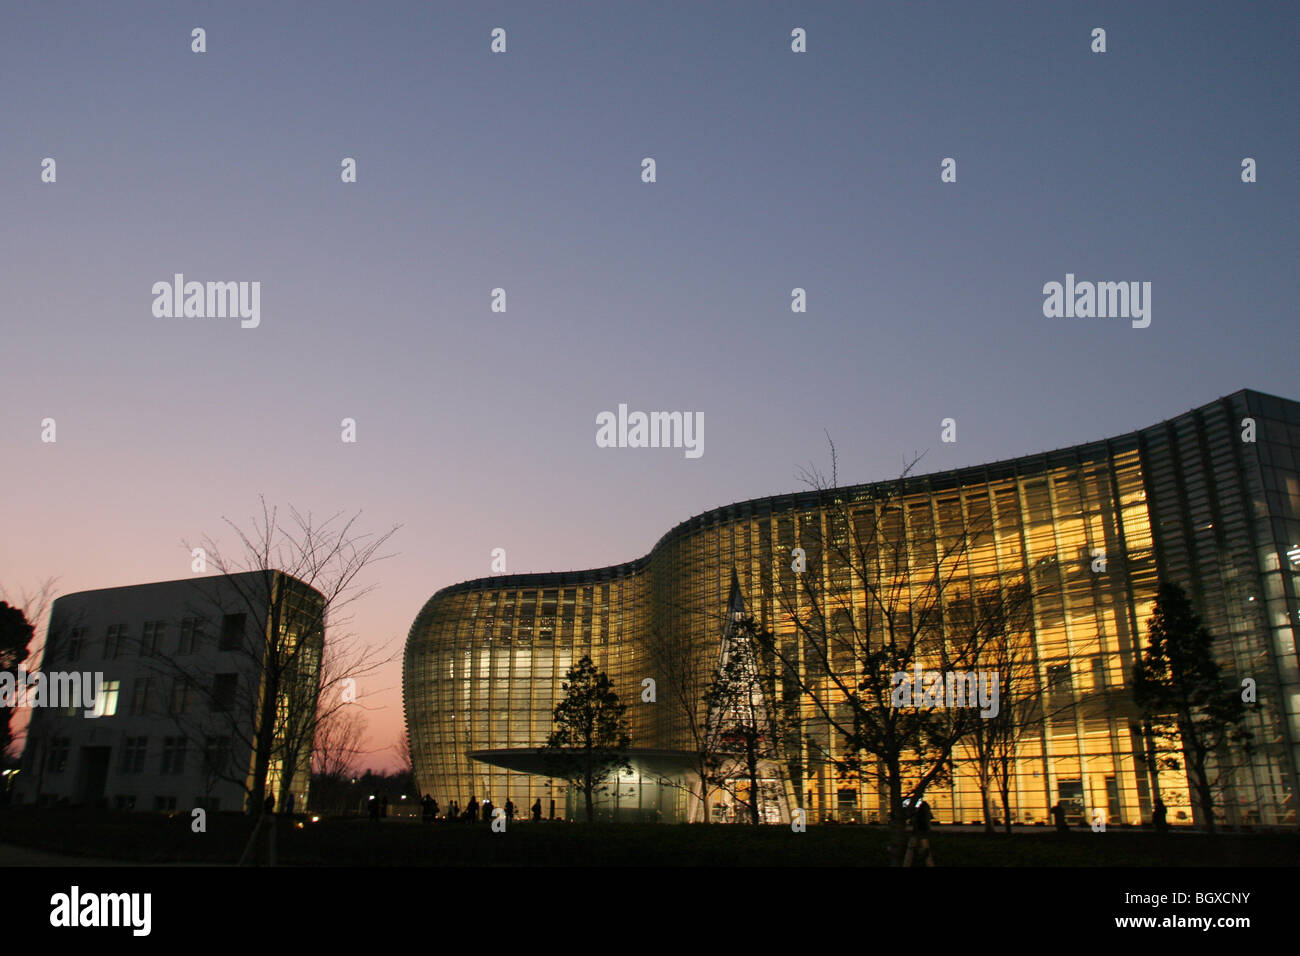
column 665, row 763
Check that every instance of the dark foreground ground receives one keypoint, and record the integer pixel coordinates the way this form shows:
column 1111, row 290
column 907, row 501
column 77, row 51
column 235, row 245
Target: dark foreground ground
column 154, row 838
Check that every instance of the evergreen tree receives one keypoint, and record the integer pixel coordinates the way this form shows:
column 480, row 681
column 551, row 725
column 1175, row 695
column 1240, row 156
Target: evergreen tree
column 590, row 740
column 15, row 635
column 1186, row 702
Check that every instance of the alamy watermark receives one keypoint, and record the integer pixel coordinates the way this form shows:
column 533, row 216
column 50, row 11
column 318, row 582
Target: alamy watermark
column 1102, row 300
column 59, row 689
column 211, row 300
column 129, row 910
column 651, row 430
column 923, row 688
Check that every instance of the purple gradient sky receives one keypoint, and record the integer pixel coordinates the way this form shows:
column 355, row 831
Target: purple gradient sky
column 775, row 170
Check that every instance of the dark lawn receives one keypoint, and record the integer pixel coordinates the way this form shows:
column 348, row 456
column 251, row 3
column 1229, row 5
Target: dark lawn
column 154, row 838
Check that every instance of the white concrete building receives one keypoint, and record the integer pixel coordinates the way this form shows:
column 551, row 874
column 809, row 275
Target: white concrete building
column 188, row 668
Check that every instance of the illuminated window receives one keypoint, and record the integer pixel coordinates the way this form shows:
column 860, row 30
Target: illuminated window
column 106, row 701
column 1060, row 691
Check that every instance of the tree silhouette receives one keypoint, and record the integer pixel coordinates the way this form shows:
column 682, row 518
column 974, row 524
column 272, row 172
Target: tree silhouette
column 891, row 583
column 285, row 585
column 1189, row 707
column 590, row 739
column 15, row 636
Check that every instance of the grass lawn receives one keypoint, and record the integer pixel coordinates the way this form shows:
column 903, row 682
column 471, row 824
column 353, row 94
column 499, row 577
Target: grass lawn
column 154, row 838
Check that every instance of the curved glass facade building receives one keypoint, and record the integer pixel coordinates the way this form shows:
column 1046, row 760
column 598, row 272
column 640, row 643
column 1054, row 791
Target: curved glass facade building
column 1209, row 500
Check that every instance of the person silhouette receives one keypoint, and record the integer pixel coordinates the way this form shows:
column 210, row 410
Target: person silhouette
column 510, row 811
column 537, row 811
column 471, row 810
column 920, row 838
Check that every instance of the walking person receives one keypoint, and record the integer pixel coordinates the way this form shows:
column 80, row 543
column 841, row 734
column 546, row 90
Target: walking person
column 920, row 838
column 487, row 809
column 1058, row 815
column 471, row 810
column 1158, row 817
column 537, row 811
column 510, row 812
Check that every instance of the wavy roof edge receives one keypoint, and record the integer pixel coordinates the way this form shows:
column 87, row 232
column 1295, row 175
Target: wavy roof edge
column 952, row 477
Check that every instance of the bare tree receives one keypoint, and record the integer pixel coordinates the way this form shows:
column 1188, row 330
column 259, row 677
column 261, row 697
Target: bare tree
column 284, row 585
column 991, row 744
column 345, row 662
column 338, row 743
column 683, row 675
column 402, row 749
column 885, row 590
column 339, row 738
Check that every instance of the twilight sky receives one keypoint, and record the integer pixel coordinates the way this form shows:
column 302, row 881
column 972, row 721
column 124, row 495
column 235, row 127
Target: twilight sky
column 522, row 171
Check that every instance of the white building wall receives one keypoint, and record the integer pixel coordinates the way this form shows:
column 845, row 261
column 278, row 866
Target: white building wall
column 127, row 783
